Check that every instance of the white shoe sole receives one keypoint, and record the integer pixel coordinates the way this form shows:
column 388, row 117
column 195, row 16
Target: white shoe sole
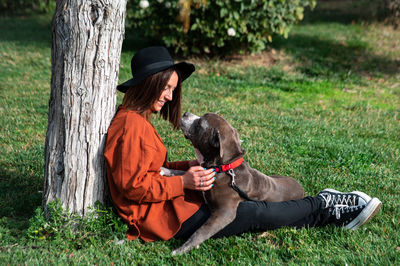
column 370, row 210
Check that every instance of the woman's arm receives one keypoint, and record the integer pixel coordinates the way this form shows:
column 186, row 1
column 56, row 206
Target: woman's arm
column 141, row 184
column 132, row 160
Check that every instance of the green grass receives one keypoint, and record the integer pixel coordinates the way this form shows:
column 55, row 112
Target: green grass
column 327, row 112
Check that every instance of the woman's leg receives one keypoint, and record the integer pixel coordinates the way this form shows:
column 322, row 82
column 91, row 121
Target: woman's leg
column 258, row 215
column 329, row 207
column 350, row 210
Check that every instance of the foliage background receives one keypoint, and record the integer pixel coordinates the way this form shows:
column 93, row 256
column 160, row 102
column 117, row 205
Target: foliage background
column 215, row 27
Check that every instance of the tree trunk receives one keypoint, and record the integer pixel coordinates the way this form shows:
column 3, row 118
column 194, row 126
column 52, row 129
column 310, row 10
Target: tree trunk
column 392, row 10
column 87, row 38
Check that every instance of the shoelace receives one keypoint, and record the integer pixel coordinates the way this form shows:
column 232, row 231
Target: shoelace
column 337, row 210
column 340, row 199
column 340, row 209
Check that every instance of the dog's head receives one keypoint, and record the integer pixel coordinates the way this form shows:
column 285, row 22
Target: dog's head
column 213, row 137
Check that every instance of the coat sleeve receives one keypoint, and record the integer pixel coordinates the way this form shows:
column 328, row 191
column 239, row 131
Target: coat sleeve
column 133, row 175
column 180, row 165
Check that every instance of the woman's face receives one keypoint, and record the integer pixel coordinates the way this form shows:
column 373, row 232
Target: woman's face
column 166, row 94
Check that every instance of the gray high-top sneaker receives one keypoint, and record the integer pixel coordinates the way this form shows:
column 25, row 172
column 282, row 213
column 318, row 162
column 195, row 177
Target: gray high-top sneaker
column 333, row 197
column 352, row 217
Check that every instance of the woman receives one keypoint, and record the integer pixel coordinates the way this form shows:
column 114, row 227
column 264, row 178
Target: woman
column 156, row 207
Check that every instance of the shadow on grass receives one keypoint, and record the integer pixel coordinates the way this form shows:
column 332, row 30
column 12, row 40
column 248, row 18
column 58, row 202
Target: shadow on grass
column 318, row 56
column 327, row 57
column 345, row 11
column 20, row 192
column 30, row 30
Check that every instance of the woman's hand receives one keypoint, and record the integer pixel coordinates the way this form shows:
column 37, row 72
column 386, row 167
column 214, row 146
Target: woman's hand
column 197, row 178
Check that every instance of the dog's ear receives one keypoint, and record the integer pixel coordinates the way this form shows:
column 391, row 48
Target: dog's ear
column 238, row 142
column 215, row 138
column 216, row 141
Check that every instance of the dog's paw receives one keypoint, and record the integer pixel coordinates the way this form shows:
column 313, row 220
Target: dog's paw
column 177, row 251
column 170, row 172
column 181, row 250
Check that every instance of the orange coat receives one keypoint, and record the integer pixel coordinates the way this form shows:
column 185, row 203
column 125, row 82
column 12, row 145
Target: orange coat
column 153, row 206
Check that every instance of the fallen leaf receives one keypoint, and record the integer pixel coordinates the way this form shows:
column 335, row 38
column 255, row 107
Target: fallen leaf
column 202, row 71
column 266, row 234
column 120, row 242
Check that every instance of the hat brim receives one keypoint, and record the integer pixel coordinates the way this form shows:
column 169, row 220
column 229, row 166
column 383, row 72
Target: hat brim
column 185, row 69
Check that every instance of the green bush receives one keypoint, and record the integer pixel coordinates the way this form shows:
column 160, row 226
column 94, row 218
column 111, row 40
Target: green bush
column 214, row 27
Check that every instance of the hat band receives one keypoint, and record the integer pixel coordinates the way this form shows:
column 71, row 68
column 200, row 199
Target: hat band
column 146, row 69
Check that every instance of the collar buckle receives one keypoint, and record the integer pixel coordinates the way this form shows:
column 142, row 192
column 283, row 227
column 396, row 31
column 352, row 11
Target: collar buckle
column 232, row 174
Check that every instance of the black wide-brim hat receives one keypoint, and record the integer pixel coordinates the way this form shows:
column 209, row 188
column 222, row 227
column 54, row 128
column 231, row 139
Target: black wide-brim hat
column 151, row 60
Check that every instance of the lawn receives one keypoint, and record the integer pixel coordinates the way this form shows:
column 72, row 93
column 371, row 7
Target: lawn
column 322, row 106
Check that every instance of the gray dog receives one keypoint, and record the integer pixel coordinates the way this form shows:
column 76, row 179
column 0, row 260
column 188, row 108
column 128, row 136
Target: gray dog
column 218, row 145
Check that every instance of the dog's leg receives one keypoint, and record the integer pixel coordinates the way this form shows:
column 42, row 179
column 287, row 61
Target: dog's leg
column 217, row 221
column 171, row 172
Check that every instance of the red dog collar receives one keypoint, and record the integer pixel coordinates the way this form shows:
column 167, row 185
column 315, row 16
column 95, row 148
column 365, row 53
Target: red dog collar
column 227, row 167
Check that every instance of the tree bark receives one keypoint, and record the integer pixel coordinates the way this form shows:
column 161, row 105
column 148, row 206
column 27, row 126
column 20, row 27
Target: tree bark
column 87, row 38
column 392, row 10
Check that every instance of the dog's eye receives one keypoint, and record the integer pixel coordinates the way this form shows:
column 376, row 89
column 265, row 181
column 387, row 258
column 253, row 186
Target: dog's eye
column 194, row 127
column 197, row 125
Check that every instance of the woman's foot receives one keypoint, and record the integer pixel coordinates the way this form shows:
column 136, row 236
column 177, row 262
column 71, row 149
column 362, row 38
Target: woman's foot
column 352, row 217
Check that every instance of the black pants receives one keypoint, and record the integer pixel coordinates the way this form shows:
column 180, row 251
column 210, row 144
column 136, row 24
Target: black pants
column 261, row 216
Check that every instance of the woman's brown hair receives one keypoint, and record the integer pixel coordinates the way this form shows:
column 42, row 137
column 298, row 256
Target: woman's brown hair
column 142, row 96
